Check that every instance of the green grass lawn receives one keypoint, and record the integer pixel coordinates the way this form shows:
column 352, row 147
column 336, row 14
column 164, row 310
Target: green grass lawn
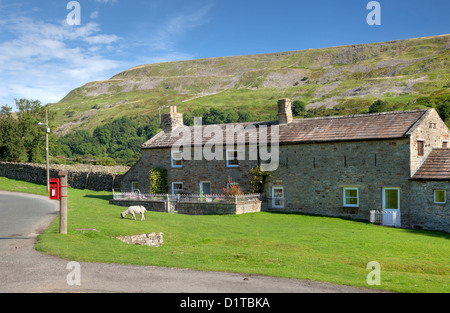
column 286, row 245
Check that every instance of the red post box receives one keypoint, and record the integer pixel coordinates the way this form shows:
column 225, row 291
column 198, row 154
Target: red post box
column 54, row 188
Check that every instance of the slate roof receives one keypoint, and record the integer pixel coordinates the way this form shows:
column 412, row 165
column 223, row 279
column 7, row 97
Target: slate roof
column 388, row 125
column 436, row 166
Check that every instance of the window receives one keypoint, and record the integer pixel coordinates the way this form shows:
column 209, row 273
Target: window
column 177, row 188
column 134, row 186
column 440, row 196
column 205, row 187
column 351, row 197
column 177, row 159
column 445, row 144
column 420, row 148
column 278, row 197
column 232, row 158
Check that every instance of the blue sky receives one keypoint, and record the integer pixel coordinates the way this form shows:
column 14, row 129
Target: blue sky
column 42, row 57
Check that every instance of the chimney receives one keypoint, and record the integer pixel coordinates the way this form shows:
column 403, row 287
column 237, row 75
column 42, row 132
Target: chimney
column 171, row 120
column 284, row 111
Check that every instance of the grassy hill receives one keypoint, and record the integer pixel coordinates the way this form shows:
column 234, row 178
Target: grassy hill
column 408, row 74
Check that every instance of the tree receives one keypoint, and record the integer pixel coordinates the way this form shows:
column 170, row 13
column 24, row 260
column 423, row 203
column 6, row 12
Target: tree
column 230, row 116
column 22, row 139
column 11, row 146
column 378, row 106
column 245, row 116
column 443, row 110
column 299, row 108
column 103, row 135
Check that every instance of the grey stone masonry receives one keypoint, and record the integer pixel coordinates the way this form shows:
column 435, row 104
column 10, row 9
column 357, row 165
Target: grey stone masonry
column 284, row 111
column 313, row 175
column 93, row 177
column 190, row 174
column 171, row 120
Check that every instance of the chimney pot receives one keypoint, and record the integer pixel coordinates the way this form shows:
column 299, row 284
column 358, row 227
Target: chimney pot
column 285, row 111
column 171, row 120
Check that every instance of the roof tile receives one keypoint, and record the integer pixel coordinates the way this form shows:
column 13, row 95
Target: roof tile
column 435, row 167
column 387, row 125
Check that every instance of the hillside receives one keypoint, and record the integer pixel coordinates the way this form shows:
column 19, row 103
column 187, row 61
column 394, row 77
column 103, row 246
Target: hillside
column 335, row 80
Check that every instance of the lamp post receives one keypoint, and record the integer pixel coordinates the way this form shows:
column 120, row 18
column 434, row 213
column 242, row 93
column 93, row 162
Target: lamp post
column 47, row 131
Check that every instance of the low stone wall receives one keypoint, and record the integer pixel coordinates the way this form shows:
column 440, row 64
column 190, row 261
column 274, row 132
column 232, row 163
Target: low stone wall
column 193, row 208
column 82, row 176
column 154, row 206
column 217, row 208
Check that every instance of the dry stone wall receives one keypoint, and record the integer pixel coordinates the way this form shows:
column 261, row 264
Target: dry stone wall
column 82, row 176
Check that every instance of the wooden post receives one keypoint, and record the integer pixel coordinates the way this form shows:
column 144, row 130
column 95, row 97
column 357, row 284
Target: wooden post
column 47, row 131
column 63, row 203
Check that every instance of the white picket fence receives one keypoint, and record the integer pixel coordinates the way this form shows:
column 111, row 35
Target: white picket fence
column 138, row 196
column 386, row 218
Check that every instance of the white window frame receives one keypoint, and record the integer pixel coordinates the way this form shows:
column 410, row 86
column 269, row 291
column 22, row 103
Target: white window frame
column 201, row 187
column 176, row 159
column 173, row 187
column 273, row 197
column 344, row 197
column 229, row 159
column 445, row 196
column 133, row 188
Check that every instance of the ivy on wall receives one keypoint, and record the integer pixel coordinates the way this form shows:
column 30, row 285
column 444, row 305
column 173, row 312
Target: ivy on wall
column 258, row 179
column 158, row 181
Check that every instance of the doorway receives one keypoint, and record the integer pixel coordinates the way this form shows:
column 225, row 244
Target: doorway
column 391, row 206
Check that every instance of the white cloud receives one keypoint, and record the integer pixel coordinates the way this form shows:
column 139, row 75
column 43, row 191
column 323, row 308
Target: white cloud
column 176, row 26
column 44, row 61
column 93, row 15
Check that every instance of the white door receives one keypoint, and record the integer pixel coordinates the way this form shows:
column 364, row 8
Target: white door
column 391, row 207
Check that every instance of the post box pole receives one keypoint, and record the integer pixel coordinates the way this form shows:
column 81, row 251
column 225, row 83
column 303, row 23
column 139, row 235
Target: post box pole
column 63, row 203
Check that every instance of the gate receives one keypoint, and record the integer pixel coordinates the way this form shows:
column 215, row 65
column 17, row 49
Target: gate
column 386, row 217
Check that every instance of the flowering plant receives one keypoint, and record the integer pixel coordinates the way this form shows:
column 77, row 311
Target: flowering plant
column 233, row 189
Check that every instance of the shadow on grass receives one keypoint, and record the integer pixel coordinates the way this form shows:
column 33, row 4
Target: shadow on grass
column 421, row 232
column 431, row 233
column 319, row 215
column 101, row 197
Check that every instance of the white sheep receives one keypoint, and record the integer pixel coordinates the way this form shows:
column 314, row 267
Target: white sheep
column 137, row 209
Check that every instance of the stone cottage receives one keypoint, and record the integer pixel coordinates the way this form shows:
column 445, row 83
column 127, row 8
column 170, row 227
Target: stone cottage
column 348, row 166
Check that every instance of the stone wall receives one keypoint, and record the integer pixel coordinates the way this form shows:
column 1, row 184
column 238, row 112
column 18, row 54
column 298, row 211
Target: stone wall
column 211, row 208
column 424, row 212
column 154, row 206
column 82, row 176
column 194, row 208
column 313, row 176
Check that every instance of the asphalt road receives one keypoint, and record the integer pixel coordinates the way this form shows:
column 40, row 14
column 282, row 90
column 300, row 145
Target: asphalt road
column 23, row 269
